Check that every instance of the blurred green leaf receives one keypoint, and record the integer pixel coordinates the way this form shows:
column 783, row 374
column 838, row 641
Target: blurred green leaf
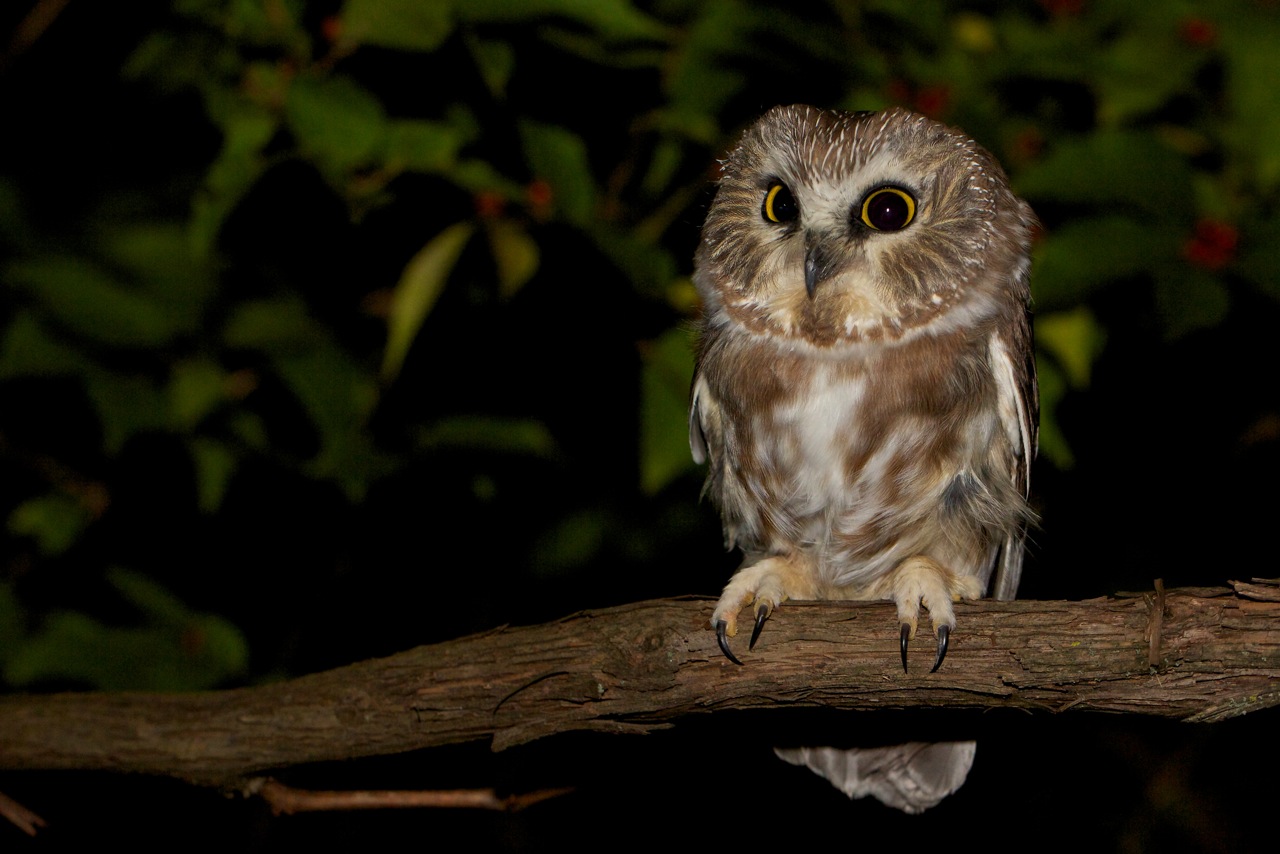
column 249, row 429
column 664, row 410
column 480, row 176
column 54, row 521
column 496, row 61
column 423, row 146
column 273, row 326
column 88, row 301
column 420, row 285
column 614, row 20
column 174, row 62
column 337, row 122
column 127, row 404
column 338, row 396
column 1259, row 261
column 1075, row 339
column 706, row 73
column 1085, row 254
column 648, row 265
column 926, row 18
column 178, row 651
column 1051, row 53
column 1188, row 299
column 606, row 54
column 79, row 648
column 515, row 255
column 215, row 464
column 974, row 32
column 156, row 57
column 559, row 157
column 1114, row 170
column 479, row 433
column 1141, row 71
column 667, row 158
column 573, row 542
column 28, row 348
column 273, row 23
column 196, row 388
column 153, row 600
column 160, row 258
column 1053, row 388
column 417, row 25
column 246, row 128
column 1253, row 66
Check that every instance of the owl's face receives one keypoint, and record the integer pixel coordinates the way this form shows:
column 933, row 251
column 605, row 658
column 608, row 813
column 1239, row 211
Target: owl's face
column 836, row 228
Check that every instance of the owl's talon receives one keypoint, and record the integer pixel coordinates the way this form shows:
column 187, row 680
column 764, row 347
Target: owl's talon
column 904, row 636
column 722, row 638
column 944, row 633
column 762, row 614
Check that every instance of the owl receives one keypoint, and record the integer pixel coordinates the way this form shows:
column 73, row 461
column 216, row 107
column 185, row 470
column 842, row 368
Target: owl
column 865, row 392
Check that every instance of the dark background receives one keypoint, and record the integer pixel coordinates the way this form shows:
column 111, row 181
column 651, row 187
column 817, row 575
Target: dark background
column 213, row 474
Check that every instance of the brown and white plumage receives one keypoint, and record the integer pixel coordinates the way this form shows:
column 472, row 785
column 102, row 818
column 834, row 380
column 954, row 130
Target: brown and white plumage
column 865, row 390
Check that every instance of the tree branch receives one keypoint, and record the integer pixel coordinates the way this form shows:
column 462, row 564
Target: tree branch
column 645, row 666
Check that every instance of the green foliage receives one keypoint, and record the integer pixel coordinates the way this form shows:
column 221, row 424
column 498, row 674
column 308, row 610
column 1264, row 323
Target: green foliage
column 174, row 649
column 54, row 521
column 664, row 413
column 420, row 285
column 404, row 267
column 399, row 24
column 559, row 157
column 1070, row 342
column 336, row 123
column 89, row 303
column 1086, row 254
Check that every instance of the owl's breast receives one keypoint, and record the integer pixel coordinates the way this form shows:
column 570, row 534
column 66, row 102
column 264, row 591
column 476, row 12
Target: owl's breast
column 806, row 439
column 859, row 461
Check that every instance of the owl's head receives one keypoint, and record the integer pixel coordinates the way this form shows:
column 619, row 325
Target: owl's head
column 833, row 228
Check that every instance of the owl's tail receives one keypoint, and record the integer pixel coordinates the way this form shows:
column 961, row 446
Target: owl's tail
column 911, row 777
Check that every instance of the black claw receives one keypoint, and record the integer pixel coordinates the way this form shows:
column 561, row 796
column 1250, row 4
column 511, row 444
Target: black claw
column 723, row 639
column 762, row 614
column 904, row 636
column 944, row 633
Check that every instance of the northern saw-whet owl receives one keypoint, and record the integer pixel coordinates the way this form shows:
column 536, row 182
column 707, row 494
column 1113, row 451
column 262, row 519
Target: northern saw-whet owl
column 865, row 390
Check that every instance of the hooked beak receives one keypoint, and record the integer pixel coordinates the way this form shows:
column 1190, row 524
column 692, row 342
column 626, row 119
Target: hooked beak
column 817, row 266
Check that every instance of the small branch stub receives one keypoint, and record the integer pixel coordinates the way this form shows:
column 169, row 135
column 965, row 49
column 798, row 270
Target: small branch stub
column 287, row 800
column 1155, row 626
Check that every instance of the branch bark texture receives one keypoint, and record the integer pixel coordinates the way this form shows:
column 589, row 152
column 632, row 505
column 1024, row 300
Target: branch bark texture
column 1190, row 654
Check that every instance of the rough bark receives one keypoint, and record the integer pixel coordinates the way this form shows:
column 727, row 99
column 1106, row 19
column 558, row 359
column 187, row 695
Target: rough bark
column 1193, row 655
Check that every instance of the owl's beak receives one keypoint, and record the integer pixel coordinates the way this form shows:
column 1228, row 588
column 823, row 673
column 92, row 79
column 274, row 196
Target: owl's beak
column 816, row 263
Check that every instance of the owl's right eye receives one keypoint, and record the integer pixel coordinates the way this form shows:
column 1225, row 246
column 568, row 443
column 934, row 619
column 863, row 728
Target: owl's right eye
column 779, row 205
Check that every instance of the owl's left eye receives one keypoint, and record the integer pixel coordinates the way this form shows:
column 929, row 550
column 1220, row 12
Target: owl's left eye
column 888, row 209
column 779, row 205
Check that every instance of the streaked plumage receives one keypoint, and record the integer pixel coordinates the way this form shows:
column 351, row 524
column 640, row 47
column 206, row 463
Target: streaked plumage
column 865, row 389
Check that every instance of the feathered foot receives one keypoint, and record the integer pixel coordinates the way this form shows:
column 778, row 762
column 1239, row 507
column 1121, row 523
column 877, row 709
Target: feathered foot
column 923, row 581
column 765, row 586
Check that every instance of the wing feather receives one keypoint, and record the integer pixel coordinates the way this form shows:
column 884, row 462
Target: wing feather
column 1019, row 404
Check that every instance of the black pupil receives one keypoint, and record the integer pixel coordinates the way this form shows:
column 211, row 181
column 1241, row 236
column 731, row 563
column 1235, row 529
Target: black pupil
column 887, row 211
column 783, row 207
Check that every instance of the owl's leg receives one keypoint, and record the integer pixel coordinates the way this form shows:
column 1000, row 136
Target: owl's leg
column 920, row 581
column 765, row 585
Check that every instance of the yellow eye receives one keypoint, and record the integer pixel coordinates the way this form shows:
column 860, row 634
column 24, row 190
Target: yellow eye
column 888, row 209
column 779, row 205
